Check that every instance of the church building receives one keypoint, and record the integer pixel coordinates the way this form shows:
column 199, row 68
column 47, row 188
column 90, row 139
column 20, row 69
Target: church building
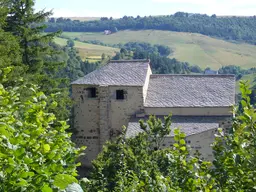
column 123, row 92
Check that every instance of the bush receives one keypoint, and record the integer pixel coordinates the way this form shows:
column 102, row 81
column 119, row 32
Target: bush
column 36, row 152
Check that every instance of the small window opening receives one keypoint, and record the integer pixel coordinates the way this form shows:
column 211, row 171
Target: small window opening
column 119, row 94
column 91, row 92
column 82, row 98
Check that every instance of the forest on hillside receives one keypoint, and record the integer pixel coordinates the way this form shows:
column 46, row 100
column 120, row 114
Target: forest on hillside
column 228, row 28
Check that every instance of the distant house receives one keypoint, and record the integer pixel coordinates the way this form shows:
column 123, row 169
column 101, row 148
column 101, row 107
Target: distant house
column 107, row 32
column 122, row 92
column 210, row 72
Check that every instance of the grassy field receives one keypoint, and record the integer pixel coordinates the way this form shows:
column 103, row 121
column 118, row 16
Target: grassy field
column 89, row 51
column 194, row 48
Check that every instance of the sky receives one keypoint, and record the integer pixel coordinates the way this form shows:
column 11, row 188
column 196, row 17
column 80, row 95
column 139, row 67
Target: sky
column 119, row 8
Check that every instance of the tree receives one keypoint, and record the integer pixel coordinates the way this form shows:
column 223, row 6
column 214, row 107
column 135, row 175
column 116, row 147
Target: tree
column 9, row 49
column 103, row 56
column 34, row 155
column 104, row 19
column 36, row 53
column 123, row 50
column 52, row 20
column 114, row 30
column 214, row 16
column 235, row 153
column 70, row 43
column 10, row 56
column 138, row 164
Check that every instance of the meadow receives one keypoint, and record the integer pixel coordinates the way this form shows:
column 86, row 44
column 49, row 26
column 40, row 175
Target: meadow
column 89, row 51
column 194, row 48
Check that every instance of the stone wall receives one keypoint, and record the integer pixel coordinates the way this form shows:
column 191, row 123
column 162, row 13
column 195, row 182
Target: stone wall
column 120, row 111
column 100, row 119
column 104, row 114
column 202, row 142
column 86, row 122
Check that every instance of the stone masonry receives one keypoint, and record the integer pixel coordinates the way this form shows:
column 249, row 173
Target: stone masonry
column 122, row 92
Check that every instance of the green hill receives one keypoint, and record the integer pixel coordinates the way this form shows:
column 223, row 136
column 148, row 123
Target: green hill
column 194, row 48
column 89, row 51
column 84, row 18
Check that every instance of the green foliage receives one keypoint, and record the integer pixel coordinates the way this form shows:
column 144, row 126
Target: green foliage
column 36, row 55
column 138, row 164
column 10, row 56
column 235, row 153
column 34, row 155
column 70, row 43
column 63, row 180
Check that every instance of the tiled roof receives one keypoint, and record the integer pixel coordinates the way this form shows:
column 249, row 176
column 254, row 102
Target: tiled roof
column 191, row 91
column 188, row 125
column 128, row 72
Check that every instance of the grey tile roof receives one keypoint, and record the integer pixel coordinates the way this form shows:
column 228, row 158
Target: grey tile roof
column 191, row 91
column 189, row 125
column 128, row 72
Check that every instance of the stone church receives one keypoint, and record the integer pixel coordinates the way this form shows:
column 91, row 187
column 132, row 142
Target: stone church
column 122, row 92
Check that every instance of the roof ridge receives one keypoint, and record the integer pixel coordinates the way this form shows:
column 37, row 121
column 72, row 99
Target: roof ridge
column 130, row 61
column 193, row 75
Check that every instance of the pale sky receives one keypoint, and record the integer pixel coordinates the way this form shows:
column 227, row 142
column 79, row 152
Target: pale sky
column 119, row 8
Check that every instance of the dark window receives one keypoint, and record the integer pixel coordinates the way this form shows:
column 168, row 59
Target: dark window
column 91, row 92
column 119, row 94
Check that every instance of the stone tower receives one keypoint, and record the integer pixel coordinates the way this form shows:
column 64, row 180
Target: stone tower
column 105, row 100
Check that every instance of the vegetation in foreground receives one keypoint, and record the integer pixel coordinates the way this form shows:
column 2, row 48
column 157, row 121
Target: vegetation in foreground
column 36, row 152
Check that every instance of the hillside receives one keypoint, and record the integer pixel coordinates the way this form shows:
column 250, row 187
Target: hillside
column 89, row 51
column 240, row 29
column 194, row 48
column 83, row 18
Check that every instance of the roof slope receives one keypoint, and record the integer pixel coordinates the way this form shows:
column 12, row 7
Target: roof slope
column 191, row 91
column 129, row 72
column 189, row 125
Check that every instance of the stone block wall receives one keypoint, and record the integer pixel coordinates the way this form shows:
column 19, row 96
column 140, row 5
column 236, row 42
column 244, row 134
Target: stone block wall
column 120, row 111
column 202, row 142
column 104, row 114
column 86, row 122
column 101, row 118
